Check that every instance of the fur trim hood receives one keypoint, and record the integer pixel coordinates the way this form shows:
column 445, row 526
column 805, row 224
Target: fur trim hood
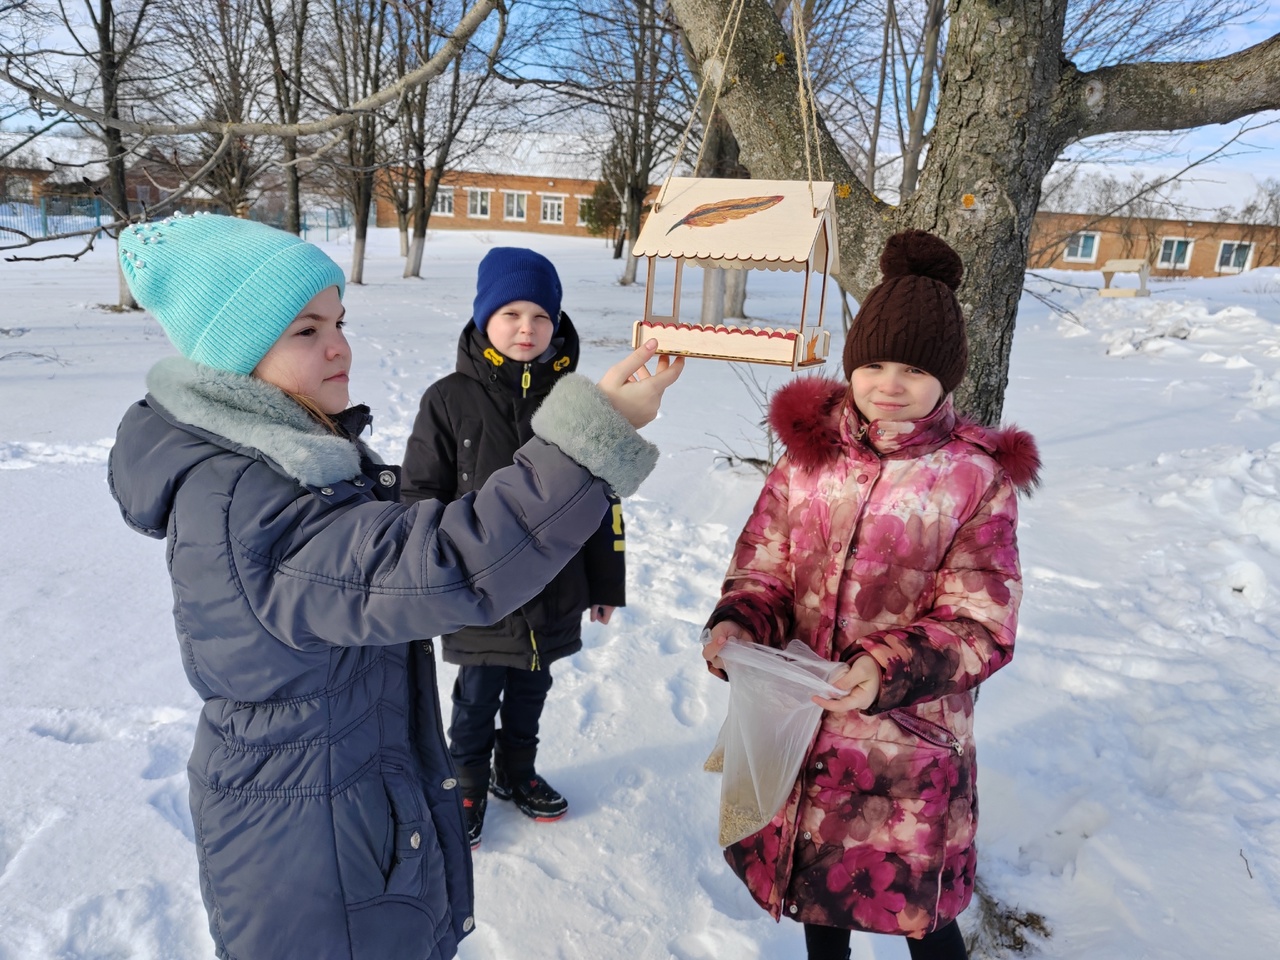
column 806, row 415
column 254, row 416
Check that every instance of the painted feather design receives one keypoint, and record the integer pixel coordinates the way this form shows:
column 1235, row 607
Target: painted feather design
column 710, row 214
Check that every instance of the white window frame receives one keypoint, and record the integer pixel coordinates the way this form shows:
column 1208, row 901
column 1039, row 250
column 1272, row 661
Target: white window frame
column 515, row 205
column 1248, row 260
column 442, row 206
column 478, row 203
column 1164, row 264
column 555, row 201
column 1079, row 238
column 583, row 200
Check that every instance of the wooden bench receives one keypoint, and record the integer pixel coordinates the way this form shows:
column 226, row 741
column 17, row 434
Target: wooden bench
column 1112, row 267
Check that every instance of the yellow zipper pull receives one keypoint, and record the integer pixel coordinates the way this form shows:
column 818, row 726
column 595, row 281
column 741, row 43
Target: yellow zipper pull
column 526, row 379
column 534, row 640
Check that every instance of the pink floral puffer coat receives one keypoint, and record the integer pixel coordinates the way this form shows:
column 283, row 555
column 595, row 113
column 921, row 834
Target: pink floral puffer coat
column 895, row 540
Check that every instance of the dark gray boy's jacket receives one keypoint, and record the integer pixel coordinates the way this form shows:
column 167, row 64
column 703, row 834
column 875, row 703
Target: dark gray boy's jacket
column 470, row 425
column 326, row 814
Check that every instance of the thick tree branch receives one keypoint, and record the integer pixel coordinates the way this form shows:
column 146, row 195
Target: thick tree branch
column 1171, row 96
column 467, row 26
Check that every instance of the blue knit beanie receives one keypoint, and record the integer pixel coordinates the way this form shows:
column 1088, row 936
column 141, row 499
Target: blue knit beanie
column 223, row 289
column 515, row 273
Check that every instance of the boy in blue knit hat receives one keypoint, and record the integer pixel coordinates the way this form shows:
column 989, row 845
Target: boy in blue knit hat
column 516, row 346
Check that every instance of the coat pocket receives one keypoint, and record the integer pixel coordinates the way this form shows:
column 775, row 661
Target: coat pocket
column 892, row 794
column 412, row 836
column 382, row 837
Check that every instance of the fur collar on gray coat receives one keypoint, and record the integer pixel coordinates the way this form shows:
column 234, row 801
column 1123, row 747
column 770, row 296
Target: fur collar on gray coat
column 255, row 415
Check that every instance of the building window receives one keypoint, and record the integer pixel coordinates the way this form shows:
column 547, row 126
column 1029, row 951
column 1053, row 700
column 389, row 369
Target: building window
column 1233, row 256
column 1175, row 253
column 478, row 203
column 1081, row 248
column 514, row 205
column 16, row 188
column 584, row 210
column 143, row 193
column 444, row 202
column 553, row 209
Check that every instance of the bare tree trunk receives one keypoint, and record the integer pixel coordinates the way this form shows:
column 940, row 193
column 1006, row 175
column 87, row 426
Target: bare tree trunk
column 287, row 76
column 918, row 115
column 735, row 294
column 109, row 80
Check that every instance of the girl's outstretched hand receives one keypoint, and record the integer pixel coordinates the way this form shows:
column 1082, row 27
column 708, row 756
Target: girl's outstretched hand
column 861, row 680
column 633, row 390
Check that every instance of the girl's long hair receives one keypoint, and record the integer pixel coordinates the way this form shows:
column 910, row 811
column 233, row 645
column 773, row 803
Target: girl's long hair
column 314, row 411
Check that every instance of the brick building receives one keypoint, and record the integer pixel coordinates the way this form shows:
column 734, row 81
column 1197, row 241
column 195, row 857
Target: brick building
column 1173, row 247
column 549, row 204
column 1206, row 222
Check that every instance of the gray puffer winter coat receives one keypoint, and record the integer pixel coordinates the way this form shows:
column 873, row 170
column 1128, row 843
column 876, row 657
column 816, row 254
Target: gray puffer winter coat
column 326, row 814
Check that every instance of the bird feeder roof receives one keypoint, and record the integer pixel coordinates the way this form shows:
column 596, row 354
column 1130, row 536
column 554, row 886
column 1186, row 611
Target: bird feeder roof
column 760, row 224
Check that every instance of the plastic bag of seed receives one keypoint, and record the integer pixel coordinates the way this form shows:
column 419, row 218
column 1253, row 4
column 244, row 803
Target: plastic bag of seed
column 771, row 722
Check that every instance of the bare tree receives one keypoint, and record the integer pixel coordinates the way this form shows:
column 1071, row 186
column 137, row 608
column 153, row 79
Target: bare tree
column 223, row 51
column 285, row 26
column 1009, row 103
column 434, row 116
column 26, row 66
column 99, row 64
column 877, row 65
column 621, row 59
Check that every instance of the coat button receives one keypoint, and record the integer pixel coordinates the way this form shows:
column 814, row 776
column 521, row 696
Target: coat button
column 448, row 783
column 818, row 765
column 862, row 478
column 836, row 546
column 469, row 924
column 808, row 835
column 415, row 841
column 465, row 476
column 467, row 442
column 793, row 909
column 387, row 478
column 327, row 491
column 358, row 481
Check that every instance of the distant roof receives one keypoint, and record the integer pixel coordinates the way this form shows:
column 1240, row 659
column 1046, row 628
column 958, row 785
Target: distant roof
column 1207, row 192
column 576, row 155
column 67, row 157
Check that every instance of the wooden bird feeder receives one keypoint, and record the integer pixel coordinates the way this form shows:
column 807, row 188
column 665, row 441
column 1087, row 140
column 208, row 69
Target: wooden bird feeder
column 744, row 225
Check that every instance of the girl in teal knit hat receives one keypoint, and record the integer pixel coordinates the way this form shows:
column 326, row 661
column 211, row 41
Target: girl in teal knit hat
column 326, row 811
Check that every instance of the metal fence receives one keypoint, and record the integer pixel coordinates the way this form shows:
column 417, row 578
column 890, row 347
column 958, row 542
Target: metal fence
column 54, row 216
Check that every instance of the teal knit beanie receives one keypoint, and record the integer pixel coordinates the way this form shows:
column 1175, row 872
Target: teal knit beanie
column 223, row 289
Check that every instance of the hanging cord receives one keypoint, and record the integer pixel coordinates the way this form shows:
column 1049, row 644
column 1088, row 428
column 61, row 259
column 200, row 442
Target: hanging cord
column 808, row 105
column 721, row 55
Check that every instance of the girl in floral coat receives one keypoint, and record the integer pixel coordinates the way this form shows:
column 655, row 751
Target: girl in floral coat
column 885, row 539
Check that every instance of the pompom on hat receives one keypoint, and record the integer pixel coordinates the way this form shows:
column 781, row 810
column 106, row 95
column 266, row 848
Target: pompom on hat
column 507, row 274
column 223, row 289
column 912, row 316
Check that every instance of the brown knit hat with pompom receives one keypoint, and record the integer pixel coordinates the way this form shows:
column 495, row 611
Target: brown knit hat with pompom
column 912, row 316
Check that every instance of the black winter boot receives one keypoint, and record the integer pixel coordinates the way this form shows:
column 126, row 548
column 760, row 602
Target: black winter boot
column 515, row 779
column 474, row 782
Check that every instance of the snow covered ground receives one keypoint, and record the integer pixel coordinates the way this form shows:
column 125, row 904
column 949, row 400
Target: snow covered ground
column 1130, row 754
